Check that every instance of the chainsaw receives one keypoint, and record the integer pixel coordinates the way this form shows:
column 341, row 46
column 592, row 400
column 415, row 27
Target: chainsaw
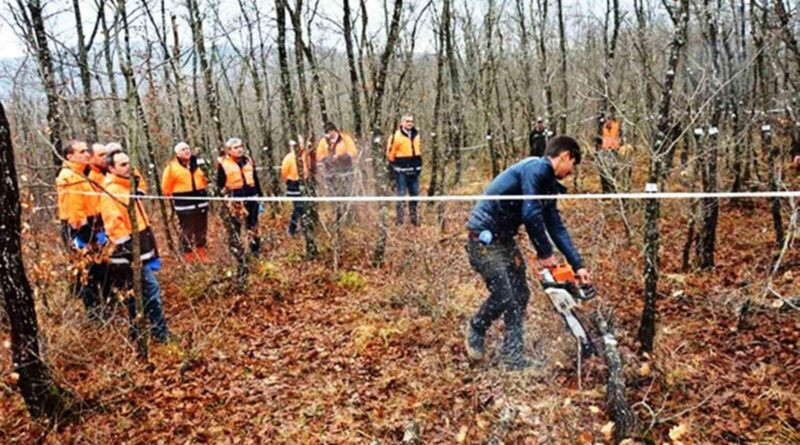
column 560, row 285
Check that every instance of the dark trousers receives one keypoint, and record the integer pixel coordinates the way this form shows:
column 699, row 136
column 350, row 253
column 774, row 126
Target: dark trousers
column 236, row 218
column 298, row 208
column 194, row 225
column 407, row 183
column 503, row 270
column 122, row 280
column 94, row 290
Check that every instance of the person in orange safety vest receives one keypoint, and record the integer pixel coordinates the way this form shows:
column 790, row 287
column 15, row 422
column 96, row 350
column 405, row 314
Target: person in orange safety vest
column 237, row 177
column 337, row 153
column 291, row 176
column 81, row 225
column 114, row 209
column 404, row 152
column 611, row 135
column 183, row 178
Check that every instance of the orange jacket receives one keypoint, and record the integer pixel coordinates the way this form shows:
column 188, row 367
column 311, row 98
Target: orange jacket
column 179, row 178
column 289, row 167
column 344, row 146
column 187, row 180
column 237, row 177
column 404, row 146
column 114, row 209
column 612, row 135
column 404, row 152
column 76, row 204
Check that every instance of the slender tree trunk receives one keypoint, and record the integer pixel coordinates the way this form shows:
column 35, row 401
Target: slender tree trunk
column 87, row 111
column 310, row 217
column 524, row 42
column 46, row 70
column 543, row 72
column 43, row 397
column 562, row 43
column 136, row 102
column 709, row 207
column 109, row 62
column 379, row 161
column 289, row 112
column 266, row 108
column 212, row 97
column 355, row 98
column 456, row 132
column 188, row 126
column 661, row 142
column 436, row 168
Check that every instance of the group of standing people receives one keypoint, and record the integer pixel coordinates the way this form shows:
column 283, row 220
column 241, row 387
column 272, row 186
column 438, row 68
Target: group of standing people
column 95, row 185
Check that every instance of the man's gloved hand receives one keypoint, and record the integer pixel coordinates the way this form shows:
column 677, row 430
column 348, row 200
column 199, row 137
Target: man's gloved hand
column 153, row 264
column 101, row 238
column 260, row 208
column 78, row 243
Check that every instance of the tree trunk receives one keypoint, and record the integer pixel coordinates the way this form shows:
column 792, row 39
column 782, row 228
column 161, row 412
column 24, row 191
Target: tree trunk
column 310, row 217
column 46, row 70
column 548, row 89
column 208, row 81
column 136, row 101
column 709, row 207
column 562, row 43
column 456, row 133
column 87, row 111
column 437, row 171
column 661, row 142
column 43, row 397
column 379, row 161
column 355, row 98
column 289, row 112
column 112, row 78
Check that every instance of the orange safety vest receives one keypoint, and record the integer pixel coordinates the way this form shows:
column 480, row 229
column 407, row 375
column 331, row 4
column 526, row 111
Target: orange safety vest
column 612, row 138
column 344, row 146
column 76, row 204
column 179, row 179
column 114, row 209
column 237, row 177
column 289, row 167
column 401, row 146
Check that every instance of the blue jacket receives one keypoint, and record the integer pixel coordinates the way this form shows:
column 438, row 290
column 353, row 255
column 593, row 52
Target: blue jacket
column 531, row 176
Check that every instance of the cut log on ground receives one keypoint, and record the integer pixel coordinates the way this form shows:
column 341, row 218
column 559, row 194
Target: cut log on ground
column 617, row 406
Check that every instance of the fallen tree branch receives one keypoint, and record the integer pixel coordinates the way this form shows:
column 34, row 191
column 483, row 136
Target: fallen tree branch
column 617, row 406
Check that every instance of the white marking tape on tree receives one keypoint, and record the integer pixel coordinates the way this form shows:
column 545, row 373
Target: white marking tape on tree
column 469, row 198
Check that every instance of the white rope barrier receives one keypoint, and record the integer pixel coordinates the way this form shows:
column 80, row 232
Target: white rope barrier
column 472, row 198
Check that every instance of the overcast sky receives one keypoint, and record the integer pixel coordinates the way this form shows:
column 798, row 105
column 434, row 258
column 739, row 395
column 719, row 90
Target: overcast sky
column 63, row 27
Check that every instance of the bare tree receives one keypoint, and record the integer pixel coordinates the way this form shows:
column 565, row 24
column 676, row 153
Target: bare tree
column 28, row 17
column 375, row 110
column 679, row 14
column 43, row 397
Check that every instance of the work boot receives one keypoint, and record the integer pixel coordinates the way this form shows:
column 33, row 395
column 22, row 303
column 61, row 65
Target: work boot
column 474, row 343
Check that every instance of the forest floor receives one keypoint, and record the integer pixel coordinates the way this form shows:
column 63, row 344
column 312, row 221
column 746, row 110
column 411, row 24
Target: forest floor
column 313, row 355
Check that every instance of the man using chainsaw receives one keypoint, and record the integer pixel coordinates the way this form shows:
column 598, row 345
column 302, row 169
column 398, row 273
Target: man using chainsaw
column 493, row 252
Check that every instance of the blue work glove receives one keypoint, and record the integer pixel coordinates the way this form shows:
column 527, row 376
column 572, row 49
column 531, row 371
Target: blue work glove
column 153, row 264
column 78, row 243
column 101, row 238
column 260, row 208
